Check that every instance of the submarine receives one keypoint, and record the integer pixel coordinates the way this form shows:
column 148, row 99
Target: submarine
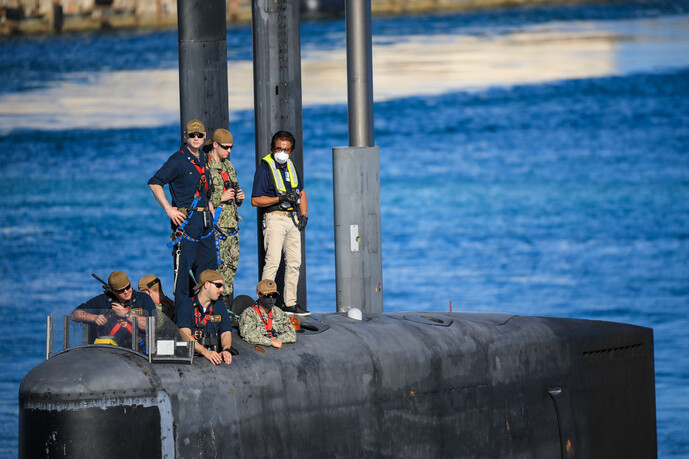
column 359, row 382
column 403, row 384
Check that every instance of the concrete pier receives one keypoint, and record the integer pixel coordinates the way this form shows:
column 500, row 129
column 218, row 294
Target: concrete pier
column 42, row 16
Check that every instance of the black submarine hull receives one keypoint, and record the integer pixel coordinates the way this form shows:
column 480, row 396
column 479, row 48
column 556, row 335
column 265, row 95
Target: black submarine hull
column 406, row 384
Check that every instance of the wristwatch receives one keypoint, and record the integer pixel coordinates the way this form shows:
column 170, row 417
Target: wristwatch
column 126, row 315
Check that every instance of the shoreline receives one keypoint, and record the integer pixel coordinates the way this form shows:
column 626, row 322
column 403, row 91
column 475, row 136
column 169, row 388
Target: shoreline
column 149, row 16
column 407, row 65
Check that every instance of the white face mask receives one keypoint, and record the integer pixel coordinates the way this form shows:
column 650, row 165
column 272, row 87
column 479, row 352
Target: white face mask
column 281, row 157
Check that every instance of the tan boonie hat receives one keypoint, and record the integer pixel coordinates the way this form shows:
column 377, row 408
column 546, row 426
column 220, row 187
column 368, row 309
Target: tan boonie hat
column 222, row 136
column 148, row 281
column 208, row 275
column 266, row 286
column 195, row 126
column 117, row 280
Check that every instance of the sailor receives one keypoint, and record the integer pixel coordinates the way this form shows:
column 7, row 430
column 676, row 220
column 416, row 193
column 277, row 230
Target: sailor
column 226, row 197
column 263, row 323
column 152, row 286
column 279, row 190
column 191, row 213
column 117, row 310
column 210, row 322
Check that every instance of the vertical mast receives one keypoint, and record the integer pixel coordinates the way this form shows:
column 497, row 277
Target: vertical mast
column 356, row 178
column 277, row 99
column 202, row 38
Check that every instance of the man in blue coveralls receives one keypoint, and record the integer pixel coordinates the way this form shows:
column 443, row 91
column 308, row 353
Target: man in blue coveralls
column 212, row 329
column 115, row 311
column 191, row 212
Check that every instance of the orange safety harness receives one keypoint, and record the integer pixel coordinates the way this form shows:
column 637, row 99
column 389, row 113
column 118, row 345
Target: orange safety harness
column 199, row 323
column 121, row 323
column 202, row 172
column 180, row 232
column 225, row 178
column 202, row 180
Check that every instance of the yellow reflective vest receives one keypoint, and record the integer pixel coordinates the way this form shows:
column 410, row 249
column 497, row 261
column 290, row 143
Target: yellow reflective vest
column 277, row 175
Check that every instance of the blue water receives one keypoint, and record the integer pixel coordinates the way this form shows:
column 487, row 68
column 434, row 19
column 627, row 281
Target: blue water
column 566, row 198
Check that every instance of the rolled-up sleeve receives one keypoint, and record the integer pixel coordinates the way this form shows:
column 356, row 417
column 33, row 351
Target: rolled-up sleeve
column 166, row 174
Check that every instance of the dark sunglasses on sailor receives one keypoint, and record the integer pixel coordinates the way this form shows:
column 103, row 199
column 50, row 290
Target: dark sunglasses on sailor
column 269, row 295
column 225, row 147
column 123, row 289
column 196, row 135
column 217, row 284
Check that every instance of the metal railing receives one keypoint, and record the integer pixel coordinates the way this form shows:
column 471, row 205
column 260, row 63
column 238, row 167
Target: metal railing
column 157, row 349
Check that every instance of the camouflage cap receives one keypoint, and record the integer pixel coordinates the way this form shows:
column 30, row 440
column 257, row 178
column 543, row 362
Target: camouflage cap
column 208, row 275
column 147, row 282
column 266, row 286
column 118, row 280
column 222, row 136
column 195, row 126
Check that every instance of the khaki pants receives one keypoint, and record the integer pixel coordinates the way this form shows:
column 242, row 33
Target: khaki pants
column 280, row 235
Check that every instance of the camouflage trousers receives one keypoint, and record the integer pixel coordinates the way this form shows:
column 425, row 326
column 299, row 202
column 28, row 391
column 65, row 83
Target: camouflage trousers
column 229, row 259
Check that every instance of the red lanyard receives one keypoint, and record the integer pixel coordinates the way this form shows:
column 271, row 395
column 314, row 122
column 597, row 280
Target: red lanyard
column 269, row 324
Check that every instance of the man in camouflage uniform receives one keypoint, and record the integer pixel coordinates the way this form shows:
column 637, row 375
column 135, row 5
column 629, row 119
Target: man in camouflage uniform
column 263, row 323
column 226, row 197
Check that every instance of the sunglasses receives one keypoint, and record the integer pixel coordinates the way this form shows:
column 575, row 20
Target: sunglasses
column 123, row 289
column 196, row 136
column 270, row 295
column 283, row 149
column 217, row 284
column 225, row 147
